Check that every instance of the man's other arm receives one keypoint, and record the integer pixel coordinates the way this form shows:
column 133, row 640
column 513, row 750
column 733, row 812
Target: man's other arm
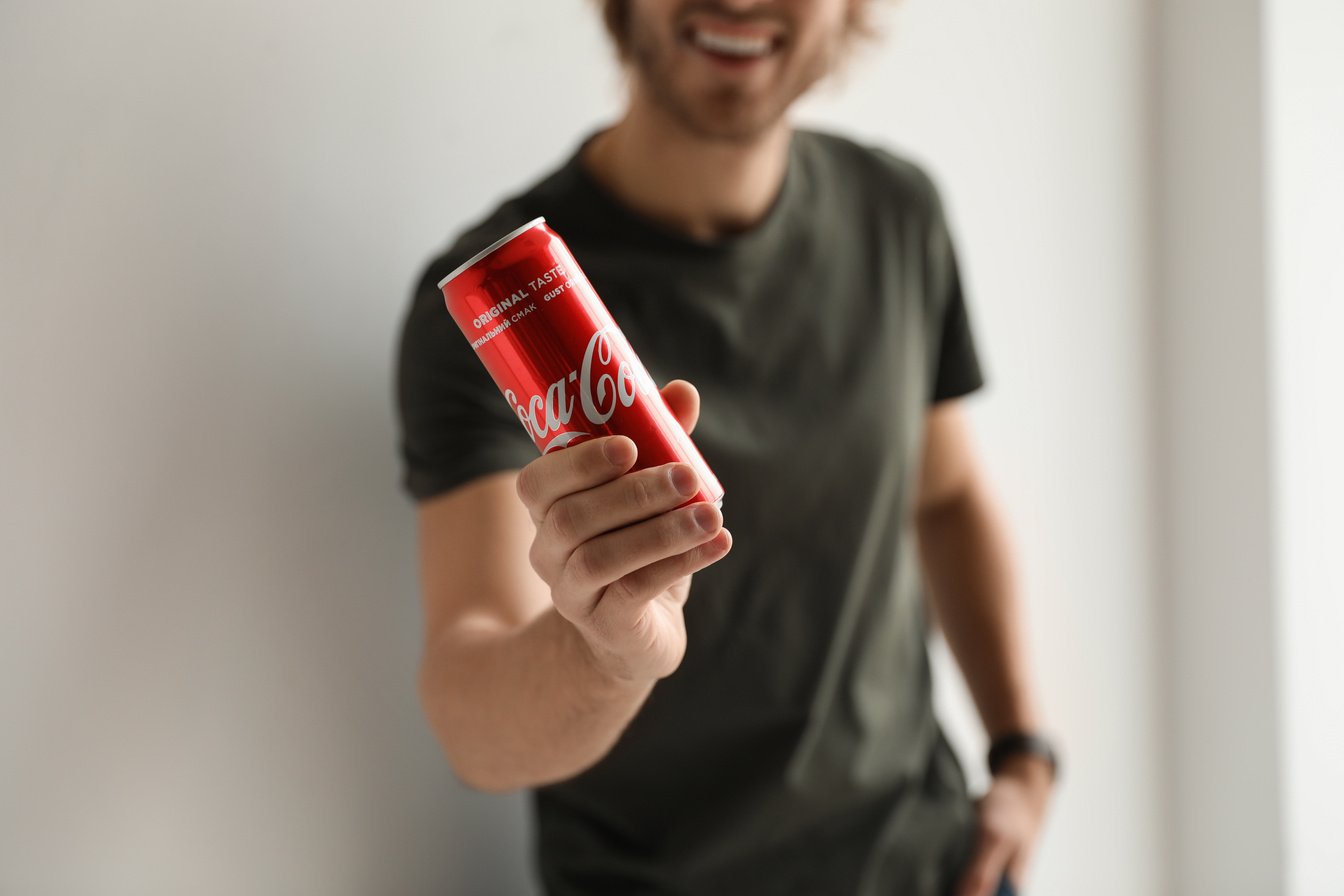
column 968, row 562
column 974, row 593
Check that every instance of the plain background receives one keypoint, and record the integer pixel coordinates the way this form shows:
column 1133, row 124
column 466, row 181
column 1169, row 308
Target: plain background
column 211, row 216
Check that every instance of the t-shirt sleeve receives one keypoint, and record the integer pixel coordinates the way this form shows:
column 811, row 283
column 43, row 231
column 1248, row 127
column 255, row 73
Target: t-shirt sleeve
column 955, row 362
column 454, row 424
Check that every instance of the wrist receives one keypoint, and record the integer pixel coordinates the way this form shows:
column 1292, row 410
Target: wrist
column 1031, row 772
column 599, row 672
column 1026, row 755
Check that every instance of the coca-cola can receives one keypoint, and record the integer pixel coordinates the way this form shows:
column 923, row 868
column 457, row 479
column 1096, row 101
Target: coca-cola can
column 557, row 356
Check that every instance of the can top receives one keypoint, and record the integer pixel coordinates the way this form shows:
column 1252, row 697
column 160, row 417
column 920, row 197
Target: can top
column 490, row 248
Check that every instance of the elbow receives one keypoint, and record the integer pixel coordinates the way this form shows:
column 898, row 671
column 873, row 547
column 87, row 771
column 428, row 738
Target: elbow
column 463, row 758
column 481, row 780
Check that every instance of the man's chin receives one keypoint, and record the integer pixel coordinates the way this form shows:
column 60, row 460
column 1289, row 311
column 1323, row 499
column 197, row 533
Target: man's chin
column 737, row 126
column 731, row 115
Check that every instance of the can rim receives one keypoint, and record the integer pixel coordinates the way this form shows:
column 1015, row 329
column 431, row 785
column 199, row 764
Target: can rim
column 490, row 248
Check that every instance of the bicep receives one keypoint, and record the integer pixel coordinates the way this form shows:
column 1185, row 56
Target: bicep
column 474, row 566
column 948, row 466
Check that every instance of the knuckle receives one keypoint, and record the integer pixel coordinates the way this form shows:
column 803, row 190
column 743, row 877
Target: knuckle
column 586, row 564
column 574, row 460
column 525, row 485
column 586, row 461
column 691, row 560
column 599, row 626
column 642, row 492
column 563, row 520
column 684, row 564
column 622, row 590
column 535, row 557
column 669, row 533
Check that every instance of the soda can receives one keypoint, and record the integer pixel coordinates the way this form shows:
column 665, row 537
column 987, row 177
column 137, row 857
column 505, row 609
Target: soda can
column 559, row 359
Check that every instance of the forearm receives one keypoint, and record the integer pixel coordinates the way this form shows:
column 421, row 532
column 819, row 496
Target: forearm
column 974, row 591
column 523, row 708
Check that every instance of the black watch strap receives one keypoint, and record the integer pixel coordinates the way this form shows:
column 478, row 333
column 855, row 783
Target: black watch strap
column 1017, row 743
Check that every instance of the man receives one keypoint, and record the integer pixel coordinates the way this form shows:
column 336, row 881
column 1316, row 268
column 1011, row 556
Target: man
column 699, row 711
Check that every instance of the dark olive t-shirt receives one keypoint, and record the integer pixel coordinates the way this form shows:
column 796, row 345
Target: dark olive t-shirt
column 795, row 750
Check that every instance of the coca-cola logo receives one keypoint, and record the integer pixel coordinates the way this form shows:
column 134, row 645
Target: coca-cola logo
column 604, row 381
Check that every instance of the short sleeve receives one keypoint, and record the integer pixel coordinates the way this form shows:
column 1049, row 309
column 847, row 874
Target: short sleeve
column 955, row 362
column 455, row 425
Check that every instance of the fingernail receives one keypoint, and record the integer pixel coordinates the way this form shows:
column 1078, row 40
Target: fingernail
column 706, row 518
column 616, row 452
column 684, row 480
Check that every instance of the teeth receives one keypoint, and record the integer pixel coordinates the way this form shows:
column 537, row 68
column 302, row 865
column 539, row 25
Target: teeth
column 731, row 44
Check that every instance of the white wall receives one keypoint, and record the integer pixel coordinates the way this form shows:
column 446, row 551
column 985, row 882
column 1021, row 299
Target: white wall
column 1304, row 48
column 210, row 216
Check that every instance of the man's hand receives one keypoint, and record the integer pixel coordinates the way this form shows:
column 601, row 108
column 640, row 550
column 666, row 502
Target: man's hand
column 616, row 554
column 1010, row 816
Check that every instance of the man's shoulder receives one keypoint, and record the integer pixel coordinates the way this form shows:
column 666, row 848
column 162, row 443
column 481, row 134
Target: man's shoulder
column 875, row 169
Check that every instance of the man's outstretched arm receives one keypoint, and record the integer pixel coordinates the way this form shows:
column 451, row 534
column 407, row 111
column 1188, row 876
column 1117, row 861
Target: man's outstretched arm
column 553, row 603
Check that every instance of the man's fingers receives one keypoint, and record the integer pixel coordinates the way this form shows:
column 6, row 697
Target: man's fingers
column 684, row 401
column 552, row 476
column 587, row 464
column 598, row 562
column 634, row 497
column 981, row 877
column 625, row 598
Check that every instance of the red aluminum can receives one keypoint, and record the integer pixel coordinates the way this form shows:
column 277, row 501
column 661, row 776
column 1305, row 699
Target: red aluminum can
column 557, row 356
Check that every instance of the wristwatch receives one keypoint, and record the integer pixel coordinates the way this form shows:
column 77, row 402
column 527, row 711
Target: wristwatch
column 1018, row 742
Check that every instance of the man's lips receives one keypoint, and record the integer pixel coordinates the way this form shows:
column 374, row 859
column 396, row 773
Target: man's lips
column 730, row 40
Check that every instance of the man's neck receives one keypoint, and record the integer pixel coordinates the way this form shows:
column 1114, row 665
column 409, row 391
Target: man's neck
column 703, row 188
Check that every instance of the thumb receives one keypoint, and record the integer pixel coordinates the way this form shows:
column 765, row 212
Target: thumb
column 684, row 402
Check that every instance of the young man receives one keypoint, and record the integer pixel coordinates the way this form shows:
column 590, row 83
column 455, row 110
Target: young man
column 763, row 726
